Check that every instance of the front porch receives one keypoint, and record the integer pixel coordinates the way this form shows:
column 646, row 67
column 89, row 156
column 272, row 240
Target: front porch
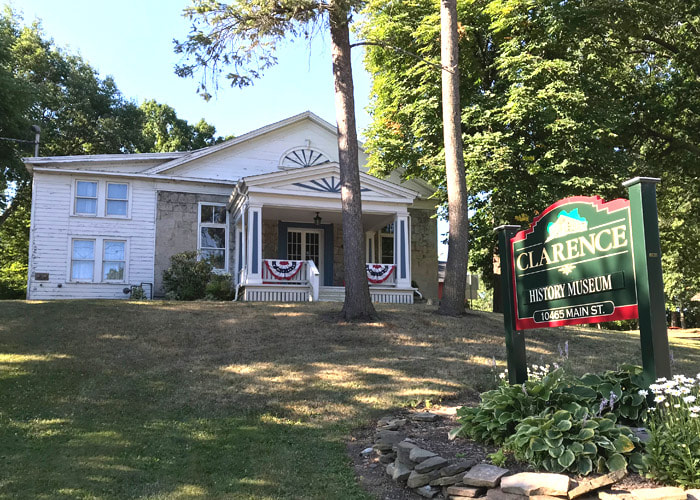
column 287, row 234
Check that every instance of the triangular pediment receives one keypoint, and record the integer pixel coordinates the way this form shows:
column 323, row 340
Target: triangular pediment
column 323, row 180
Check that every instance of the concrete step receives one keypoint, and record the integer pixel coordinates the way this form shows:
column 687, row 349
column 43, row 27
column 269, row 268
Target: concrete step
column 331, row 294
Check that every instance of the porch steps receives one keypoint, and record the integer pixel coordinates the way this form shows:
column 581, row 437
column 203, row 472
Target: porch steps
column 331, row 294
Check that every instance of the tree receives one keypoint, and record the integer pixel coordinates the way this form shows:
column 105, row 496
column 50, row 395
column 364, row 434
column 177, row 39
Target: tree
column 244, row 35
column 458, row 251
column 163, row 131
column 558, row 99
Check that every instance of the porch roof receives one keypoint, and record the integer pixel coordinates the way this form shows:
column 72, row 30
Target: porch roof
column 321, row 184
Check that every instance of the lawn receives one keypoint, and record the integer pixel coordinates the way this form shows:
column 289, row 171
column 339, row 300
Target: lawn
column 235, row 400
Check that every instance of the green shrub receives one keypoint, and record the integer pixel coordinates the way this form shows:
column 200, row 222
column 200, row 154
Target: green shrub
column 572, row 440
column 673, row 450
column 13, row 281
column 137, row 293
column 187, row 277
column 219, row 287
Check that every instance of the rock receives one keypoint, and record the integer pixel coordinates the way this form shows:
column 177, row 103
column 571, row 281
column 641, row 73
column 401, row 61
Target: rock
column 367, row 452
column 533, row 483
column 465, row 491
column 418, row 455
column 499, row 494
column 484, row 475
column 403, row 451
column 385, row 420
column 589, row 485
column 431, row 464
column 457, row 467
column 641, row 433
column 387, row 458
column 665, row 493
column 693, row 494
column 424, row 417
column 615, row 495
column 427, row 491
column 386, row 440
column 390, row 470
column 416, row 480
column 401, row 472
column 393, row 425
column 447, row 480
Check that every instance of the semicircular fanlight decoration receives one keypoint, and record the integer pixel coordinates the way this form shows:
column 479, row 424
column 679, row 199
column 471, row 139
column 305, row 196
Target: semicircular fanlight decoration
column 303, row 157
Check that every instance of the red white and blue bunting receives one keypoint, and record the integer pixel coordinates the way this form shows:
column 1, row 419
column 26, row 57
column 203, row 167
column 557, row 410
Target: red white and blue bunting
column 379, row 273
column 283, row 269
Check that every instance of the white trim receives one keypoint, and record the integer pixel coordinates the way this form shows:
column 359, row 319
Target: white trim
column 298, row 148
column 71, row 241
column 149, row 177
column 303, row 231
column 128, row 200
column 32, row 231
column 98, row 259
column 74, row 197
column 103, row 260
column 370, row 236
column 224, row 225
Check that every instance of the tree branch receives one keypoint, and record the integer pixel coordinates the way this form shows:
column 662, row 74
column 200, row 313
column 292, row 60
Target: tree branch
column 386, row 45
column 691, row 148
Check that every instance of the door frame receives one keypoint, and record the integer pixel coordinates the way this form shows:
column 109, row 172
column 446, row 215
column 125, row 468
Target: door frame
column 328, row 253
column 304, row 232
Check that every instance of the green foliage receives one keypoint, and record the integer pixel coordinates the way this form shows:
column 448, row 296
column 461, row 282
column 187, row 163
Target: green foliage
column 673, row 450
column 137, row 293
column 572, row 440
column 187, row 277
column 530, row 420
column 219, row 287
column 14, row 245
column 558, row 99
column 499, row 458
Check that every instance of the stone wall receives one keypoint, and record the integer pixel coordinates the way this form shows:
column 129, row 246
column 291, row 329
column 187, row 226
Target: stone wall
column 176, row 229
column 424, row 258
column 338, row 263
column 269, row 239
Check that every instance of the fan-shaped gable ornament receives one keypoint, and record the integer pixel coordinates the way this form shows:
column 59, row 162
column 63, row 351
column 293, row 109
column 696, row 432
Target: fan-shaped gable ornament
column 303, row 157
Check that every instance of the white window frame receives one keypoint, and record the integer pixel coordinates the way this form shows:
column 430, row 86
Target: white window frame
column 101, row 200
column 108, row 199
column 224, row 225
column 380, row 246
column 99, row 242
column 71, row 260
column 96, row 198
column 103, row 260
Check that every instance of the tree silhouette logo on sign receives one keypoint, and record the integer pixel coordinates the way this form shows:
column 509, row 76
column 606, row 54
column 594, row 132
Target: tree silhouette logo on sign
column 574, row 265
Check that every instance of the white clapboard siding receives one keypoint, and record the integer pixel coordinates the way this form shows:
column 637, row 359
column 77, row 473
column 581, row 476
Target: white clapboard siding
column 262, row 154
column 53, row 228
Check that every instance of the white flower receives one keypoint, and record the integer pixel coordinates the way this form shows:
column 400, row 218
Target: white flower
column 643, row 393
column 676, row 406
column 684, row 390
column 501, row 376
column 664, row 379
column 693, row 415
column 655, row 387
column 694, row 409
column 673, row 392
column 659, row 398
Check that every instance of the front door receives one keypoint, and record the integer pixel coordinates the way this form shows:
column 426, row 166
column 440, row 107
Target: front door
column 306, row 244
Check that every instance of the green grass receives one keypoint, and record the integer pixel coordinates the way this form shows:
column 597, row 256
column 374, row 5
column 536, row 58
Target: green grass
column 221, row 400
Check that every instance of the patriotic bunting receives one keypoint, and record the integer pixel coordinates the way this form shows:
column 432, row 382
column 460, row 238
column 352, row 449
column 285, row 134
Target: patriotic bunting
column 379, row 273
column 283, row 269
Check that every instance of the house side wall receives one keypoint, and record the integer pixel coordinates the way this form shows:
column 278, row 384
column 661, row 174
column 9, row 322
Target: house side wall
column 338, row 262
column 54, row 227
column 269, row 239
column 176, row 229
column 424, row 258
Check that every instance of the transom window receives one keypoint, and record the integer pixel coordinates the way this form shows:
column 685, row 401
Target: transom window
column 86, row 198
column 117, row 199
column 213, row 235
column 303, row 157
column 83, row 260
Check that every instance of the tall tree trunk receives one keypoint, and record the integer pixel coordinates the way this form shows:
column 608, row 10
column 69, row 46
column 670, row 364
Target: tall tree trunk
column 458, row 245
column 358, row 304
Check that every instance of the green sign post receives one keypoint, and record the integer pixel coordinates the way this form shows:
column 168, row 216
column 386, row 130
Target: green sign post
column 586, row 261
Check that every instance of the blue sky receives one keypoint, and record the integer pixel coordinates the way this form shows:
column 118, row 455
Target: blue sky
column 132, row 41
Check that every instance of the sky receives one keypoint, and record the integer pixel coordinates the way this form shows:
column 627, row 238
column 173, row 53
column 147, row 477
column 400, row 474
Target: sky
column 132, row 41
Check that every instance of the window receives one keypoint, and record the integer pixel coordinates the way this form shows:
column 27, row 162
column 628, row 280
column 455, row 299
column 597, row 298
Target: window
column 117, row 200
column 83, row 260
column 386, row 242
column 213, row 235
column 86, row 198
column 113, row 260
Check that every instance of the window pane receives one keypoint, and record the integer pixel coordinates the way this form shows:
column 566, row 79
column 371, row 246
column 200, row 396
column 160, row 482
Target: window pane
column 116, row 207
column 207, row 213
column 117, row 191
column 82, row 270
column 83, row 250
column 86, row 206
column 114, row 250
column 213, row 237
column 215, row 257
column 220, row 215
column 88, row 189
column 112, row 270
column 387, row 250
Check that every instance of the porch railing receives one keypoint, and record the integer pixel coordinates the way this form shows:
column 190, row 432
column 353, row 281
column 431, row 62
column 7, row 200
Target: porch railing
column 300, row 277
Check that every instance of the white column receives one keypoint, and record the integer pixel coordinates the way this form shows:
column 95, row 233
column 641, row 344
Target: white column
column 402, row 250
column 254, row 246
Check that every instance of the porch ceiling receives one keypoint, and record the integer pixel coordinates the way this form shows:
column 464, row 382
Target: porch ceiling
column 370, row 221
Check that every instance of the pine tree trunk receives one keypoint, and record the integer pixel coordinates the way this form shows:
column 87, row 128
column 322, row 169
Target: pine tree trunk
column 358, row 304
column 458, row 245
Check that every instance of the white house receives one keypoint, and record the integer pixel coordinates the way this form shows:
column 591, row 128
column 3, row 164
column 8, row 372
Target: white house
column 264, row 207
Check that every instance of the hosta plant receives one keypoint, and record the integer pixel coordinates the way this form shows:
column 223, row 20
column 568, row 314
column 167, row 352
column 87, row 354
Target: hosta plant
column 573, row 440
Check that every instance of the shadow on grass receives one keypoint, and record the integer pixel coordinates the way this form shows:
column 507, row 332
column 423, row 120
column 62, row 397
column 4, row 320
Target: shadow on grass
column 173, row 400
